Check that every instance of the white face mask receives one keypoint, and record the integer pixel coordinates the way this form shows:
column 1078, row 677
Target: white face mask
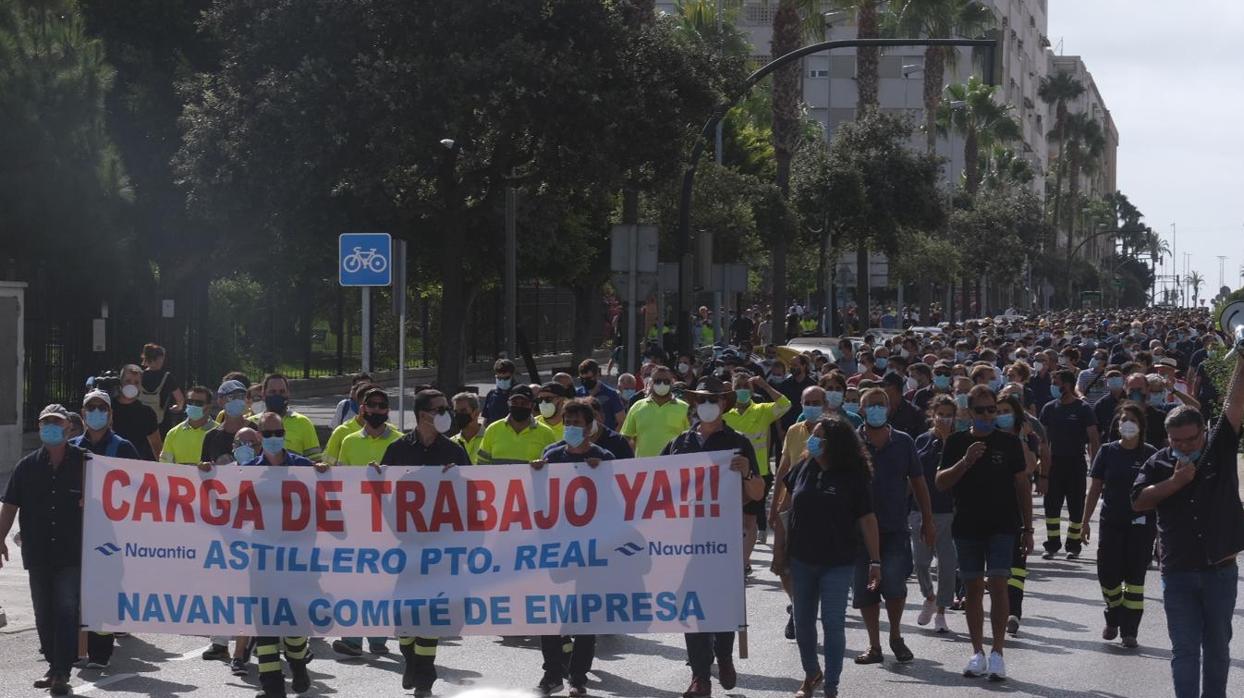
column 259, row 407
column 130, row 391
column 661, row 389
column 683, row 368
column 547, row 409
column 443, row 422
column 1129, row 430
column 707, row 411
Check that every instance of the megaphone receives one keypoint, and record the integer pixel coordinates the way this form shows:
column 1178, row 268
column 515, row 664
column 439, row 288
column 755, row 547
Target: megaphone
column 1232, row 322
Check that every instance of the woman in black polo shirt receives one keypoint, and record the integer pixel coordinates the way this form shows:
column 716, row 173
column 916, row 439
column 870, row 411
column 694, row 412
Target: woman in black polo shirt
column 830, row 498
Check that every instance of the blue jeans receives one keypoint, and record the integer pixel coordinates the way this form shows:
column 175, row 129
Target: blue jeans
column 1199, row 609
column 827, row 587
column 54, row 593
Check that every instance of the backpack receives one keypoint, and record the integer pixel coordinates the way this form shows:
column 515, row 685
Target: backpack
column 152, row 399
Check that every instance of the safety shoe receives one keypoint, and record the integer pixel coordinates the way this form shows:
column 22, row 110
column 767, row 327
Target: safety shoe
column 216, row 653
column 726, row 675
column 1012, row 625
column 60, row 686
column 996, row 667
column 1109, row 632
column 1129, row 641
column 300, row 679
column 343, row 647
column 976, row 666
column 549, row 685
column 699, row 688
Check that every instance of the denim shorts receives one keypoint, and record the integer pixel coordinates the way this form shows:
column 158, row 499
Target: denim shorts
column 896, row 567
column 985, row 557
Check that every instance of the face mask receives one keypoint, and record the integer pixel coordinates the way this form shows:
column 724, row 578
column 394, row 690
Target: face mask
column 96, row 419
column 243, row 454
column 983, row 424
column 834, row 398
column 273, row 444
column 946, row 422
column 1005, row 421
column 589, row 384
column 259, row 407
column 882, row 362
column 504, row 383
column 743, row 395
column 461, row 420
column 278, row 403
column 851, row 407
column 961, row 401
column 1056, row 392
column 1114, row 383
column 960, row 356
column 912, row 384
column 996, row 384
column 235, row 408
column 129, row 391
column 1039, row 366
column 573, row 436
column 683, row 367
column 520, row 414
column 548, row 409
column 1157, row 399
column 443, row 422
column 941, row 382
column 777, row 378
column 52, row 434
column 707, row 411
column 1136, row 395
column 661, row 389
column 1180, row 455
column 1064, row 361
column 1129, row 430
column 811, row 413
column 963, row 424
column 875, row 415
column 628, row 393
column 194, row 412
column 816, row 446
column 375, row 420
column 1095, row 364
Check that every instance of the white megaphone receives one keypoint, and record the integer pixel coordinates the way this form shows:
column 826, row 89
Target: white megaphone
column 1232, row 322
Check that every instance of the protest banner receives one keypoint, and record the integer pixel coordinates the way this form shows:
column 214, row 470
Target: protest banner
column 634, row 546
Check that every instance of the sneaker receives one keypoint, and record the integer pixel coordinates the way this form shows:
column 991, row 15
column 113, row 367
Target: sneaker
column 976, row 666
column 926, row 612
column 1110, row 632
column 300, row 680
column 1012, row 625
column 997, row 667
column 343, row 647
column 238, row 667
column 97, row 664
column 549, row 685
column 699, row 688
column 726, row 675
column 1129, row 641
column 216, row 653
column 939, row 623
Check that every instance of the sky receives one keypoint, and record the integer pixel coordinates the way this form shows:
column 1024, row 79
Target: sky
column 1172, row 77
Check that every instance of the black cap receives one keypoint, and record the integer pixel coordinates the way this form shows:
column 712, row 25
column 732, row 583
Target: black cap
column 556, row 388
column 522, row 390
column 709, row 386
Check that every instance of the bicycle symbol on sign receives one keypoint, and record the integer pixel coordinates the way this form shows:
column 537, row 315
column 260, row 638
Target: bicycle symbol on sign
column 371, row 260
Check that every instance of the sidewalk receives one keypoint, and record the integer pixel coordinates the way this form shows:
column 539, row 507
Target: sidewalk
column 15, row 593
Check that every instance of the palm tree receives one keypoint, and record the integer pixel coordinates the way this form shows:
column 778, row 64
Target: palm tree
column 1058, row 90
column 937, row 19
column 1195, row 280
column 1084, row 144
column 1004, row 168
column 983, row 123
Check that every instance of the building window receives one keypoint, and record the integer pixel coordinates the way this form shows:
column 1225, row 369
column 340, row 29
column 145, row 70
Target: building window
column 818, row 73
column 760, row 13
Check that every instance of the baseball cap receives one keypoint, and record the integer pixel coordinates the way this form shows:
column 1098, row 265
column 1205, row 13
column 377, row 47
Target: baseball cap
column 97, row 395
column 230, row 386
column 55, row 410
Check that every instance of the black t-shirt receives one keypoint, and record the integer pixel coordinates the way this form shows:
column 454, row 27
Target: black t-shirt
column 908, row 419
column 49, row 508
column 1117, row 468
column 409, row 450
column 724, row 439
column 151, row 381
column 985, row 499
column 134, row 422
column 1066, row 427
column 1155, row 426
column 560, row 453
column 741, row 330
column 929, row 448
column 218, row 444
column 826, row 506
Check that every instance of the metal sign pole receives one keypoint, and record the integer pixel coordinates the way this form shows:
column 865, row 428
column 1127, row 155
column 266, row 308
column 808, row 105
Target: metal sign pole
column 632, row 334
column 399, row 295
column 366, row 329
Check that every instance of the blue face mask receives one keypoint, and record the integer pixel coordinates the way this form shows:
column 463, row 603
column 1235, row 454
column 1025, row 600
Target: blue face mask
column 882, row 362
column 1056, row 392
column 1136, row 396
column 876, row 415
column 963, row 424
column 504, row 383
column 811, row 413
column 1114, row 383
column 573, row 436
column 52, row 434
column 1157, row 399
column 851, row 407
column 235, row 407
column 1180, row 455
column 1005, row 421
column 816, row 446
column 983, row 424
column 194, row 412
column 244, row 454
column 961, row 401
column 941, row 382
column 96, row 419
column 996, row 384
column 834, row 398
column 628, row 393
column 273, row 444
column 743, row 395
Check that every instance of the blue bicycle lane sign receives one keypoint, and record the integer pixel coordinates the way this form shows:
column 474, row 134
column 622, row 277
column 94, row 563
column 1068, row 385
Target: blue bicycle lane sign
column 365, row 259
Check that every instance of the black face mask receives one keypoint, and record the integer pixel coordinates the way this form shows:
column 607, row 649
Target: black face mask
column 461, row 419
column 375, row 419
column 520, row 414
column 588, row 383
column 277, row 403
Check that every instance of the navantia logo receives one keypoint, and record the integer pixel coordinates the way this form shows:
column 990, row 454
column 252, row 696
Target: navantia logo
column 108, row 549
column 629, row 549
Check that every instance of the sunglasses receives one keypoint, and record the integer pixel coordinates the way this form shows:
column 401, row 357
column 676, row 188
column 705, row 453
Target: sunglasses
column 376, row 405
column 439, row 410
column 272, row 432
column 985, row 409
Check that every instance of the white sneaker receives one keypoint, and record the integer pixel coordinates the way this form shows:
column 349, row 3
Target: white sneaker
column 976, row 666
column 926, row 612
column 997, row 667
column 939, row 623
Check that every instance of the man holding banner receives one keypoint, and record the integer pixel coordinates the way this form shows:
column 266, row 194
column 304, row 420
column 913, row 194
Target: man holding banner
column 711, row 400
column 425, row 445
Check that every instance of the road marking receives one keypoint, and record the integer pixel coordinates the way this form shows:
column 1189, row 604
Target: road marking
column 102, row 683
column 191, row 654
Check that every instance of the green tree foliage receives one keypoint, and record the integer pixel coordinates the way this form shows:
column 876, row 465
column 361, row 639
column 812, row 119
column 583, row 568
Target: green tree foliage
column 999, row 231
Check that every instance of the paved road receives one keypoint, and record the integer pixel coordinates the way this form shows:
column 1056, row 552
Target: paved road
column 1058, row 655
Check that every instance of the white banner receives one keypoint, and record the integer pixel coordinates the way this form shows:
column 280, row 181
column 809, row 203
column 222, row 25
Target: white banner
column 635, row 546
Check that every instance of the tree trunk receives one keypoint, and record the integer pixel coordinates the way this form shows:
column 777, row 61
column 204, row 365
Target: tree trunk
column 863, row 277
column 586, row 319
column 867, row 58
column 1060, row 169
column 934, row 73
column 455, row 308
column 787, row 35
column 971, row 161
